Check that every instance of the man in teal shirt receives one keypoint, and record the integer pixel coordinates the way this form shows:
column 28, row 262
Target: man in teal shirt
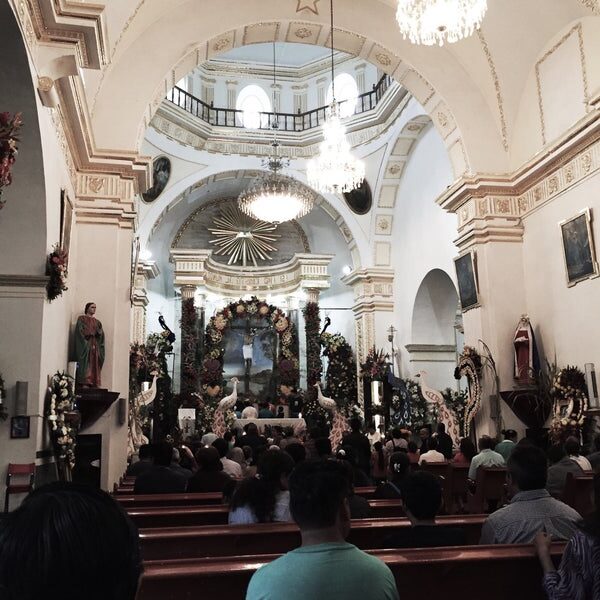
column 508, row 444
column 325, row 567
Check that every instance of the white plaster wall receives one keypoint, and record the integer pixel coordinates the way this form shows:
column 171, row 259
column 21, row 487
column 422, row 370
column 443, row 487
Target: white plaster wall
column 565, row 318
column 422, row 238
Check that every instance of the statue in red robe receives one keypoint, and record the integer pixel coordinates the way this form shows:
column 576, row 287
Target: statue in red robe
column 525, row 352
column 89, row 348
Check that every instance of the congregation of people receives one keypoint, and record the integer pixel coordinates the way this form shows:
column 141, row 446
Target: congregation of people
column 281, row 476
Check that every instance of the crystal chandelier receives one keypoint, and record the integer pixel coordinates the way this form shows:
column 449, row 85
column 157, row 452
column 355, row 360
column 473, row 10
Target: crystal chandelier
column 431, row 22
column 273, row 197
column 334, row 169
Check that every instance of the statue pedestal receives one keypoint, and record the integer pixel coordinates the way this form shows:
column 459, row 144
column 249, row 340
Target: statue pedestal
column 92, row 403
column 527, row 406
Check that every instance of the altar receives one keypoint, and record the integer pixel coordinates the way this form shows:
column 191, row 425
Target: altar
column 262, row 423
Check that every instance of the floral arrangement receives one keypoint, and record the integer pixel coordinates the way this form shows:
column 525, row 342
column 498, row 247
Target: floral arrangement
column 376, row 365
column 205, row 412
column 3, row 411
column 340, row 378
column 189, row 347
column 63, row 420
column 211, row 372
column 145, row 359
column 470, row 365
column 569, row 393
column 420, row 412
column 314, row 367
column 9, row 128
column 56, row 268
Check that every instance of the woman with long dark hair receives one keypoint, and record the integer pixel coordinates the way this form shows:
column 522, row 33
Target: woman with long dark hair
column 378, row 463
column 466, row 452
column 578, row 576
column 265, row 497
column 397, row 470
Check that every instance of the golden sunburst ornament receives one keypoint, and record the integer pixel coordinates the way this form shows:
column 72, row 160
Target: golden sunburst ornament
column 243, row 239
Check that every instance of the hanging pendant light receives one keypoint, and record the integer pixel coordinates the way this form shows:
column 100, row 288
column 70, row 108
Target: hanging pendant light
column 273, row 197
column 430, row 22
column 334, row 169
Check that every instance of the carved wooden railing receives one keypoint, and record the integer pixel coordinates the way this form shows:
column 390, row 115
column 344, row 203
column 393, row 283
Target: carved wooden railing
column 231, row 117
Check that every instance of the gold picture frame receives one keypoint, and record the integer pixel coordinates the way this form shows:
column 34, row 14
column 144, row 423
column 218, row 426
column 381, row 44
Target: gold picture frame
column 67, row 212
column 579, row 253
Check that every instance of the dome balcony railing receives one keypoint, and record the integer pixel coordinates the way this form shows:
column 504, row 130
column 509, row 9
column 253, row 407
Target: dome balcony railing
column 231, row 117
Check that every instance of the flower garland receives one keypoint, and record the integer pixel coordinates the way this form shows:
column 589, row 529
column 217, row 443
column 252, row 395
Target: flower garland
column 470, row 365
column 9, row 127
column 189, row 347
column 340, row 378
column 61, row 406
column 314, row 367
column 56, row 268
column 569, row 392
column 211, row 373
column 3, row 411
column 376, row 365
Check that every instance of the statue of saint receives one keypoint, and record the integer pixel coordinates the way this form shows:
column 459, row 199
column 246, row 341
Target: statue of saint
column 89, row 348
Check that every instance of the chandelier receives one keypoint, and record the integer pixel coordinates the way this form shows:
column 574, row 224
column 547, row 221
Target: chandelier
column 431, row 22
column 273, row 197
column 334, row 169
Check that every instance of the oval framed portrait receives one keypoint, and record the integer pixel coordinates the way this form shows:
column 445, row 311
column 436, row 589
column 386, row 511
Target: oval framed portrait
column 161, row 171
column 360, row 199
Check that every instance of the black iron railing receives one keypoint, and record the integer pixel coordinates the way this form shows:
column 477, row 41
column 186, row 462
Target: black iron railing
column 231, row 117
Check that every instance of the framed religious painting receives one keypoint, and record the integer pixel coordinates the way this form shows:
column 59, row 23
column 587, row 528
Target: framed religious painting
column 161, row 171
column 19, row 428
column 466, row 275
column 578, row 247
column 66, row 221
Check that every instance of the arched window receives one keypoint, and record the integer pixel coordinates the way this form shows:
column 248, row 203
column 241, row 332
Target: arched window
column 253, row 100
column 347, row 90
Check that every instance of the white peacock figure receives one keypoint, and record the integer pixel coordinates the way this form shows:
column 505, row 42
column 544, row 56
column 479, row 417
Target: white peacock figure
column 136, row 436
column 339, row 424
column 445, row 414
column 218, row 425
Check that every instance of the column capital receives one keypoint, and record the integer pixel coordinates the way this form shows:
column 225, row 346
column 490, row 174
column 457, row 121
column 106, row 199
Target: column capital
column 312, row 294
column 373, row 289
column 188, row 292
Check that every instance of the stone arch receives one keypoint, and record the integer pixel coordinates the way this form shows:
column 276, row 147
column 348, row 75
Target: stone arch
column 434, row 310
column 375, row 43
column 184, row 189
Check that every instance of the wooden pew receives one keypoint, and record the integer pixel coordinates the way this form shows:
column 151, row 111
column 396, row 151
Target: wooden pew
column 271, row 538
column 490, row 490
column 155, row 500
column 490, row 572
column 444, row 471
column 579, row 493
column 217, row 514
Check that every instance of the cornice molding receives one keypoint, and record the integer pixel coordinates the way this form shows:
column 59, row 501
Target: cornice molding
column 23, row 286
column 79, row 25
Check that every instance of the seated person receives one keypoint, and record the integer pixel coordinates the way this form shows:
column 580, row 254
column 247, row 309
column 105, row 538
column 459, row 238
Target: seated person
column 531, row 508
column 143, row 464
column 444, row 442
column 175, row 463
column 432, row 455
column 160, row 479
column 422, row 497
column 465, row 453
column 210, row 476
column 573, row 450
column 413, row 453
column 397, row 442
column 361, row 479
column 323, row 447
column 297, row 451
column 252, row 438
column 230, row 467
column 264, row 411
column 325, row 566
column 359, row 506
column 397, row 470
column 486, row 457
column 378, row 463
column 506, row 446
column 249, row 411
column 561, row 464
column 264, row 498
column 68, row 542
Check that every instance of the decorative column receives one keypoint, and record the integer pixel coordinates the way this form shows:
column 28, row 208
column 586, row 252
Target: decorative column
column 139, row 299
column 373, row 311
column 360, row 77
column 231, row 93
column 276, row 97
column 103, row 236
column 321, row 91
